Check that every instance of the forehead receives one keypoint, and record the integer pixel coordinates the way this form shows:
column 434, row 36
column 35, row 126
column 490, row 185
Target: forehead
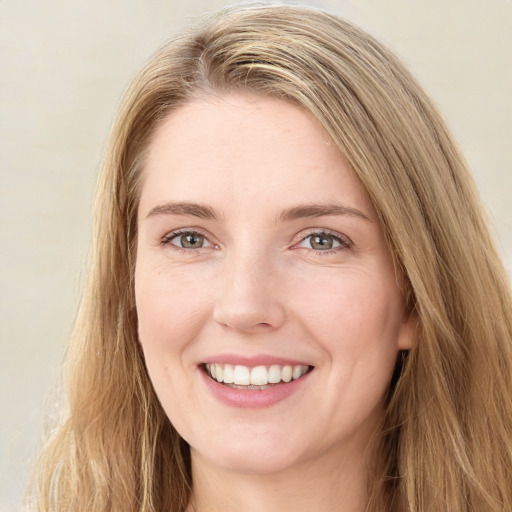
column 246, row 146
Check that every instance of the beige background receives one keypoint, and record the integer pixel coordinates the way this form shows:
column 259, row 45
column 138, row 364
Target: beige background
column 63, row 67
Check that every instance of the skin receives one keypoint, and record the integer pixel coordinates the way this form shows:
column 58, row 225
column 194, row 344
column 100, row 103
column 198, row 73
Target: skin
column 255, row 284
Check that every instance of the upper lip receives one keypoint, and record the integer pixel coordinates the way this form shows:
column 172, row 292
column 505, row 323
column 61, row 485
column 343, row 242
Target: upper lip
column 252, row 361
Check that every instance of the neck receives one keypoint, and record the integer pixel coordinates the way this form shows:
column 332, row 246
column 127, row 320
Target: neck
column 337, row 484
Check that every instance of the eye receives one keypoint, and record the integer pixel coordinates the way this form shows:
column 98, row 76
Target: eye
column 324, row 242
column 186, row 240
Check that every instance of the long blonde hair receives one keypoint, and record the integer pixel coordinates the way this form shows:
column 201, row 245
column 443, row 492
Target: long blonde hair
column 446, row 443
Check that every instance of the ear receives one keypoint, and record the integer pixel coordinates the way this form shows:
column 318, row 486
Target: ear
column 408, row 335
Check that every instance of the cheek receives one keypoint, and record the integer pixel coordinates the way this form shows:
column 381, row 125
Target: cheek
column 170, row 316
column 170, row 312
column 357, row 325
column 351, row 309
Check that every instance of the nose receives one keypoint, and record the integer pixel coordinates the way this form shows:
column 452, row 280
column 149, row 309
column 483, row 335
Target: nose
column 249, row 297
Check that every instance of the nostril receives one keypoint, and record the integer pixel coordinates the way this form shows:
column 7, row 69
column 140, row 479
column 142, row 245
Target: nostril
column 247, row 300
column 251, row 319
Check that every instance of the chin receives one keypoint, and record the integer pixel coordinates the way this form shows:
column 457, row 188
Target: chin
column 259, row 456
column 244, row 464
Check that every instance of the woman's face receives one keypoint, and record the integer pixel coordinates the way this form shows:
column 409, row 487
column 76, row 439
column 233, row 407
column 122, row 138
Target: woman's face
column 260, row 259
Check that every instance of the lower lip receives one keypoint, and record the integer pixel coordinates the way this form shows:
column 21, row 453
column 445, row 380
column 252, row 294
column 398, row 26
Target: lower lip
column 252, row 398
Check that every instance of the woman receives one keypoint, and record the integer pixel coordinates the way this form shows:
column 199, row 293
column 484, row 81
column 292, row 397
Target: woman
column 293, row 300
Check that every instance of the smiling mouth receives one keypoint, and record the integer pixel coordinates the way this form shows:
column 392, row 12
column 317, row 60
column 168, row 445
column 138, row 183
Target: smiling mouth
column 258, row 377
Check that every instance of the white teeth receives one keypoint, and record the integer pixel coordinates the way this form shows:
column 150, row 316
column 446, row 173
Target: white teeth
column 297, row 372
column 257, row 376
column 287, row 373
column 219, row 372
column 228, row 374
column 274, row 374
column 241, row 376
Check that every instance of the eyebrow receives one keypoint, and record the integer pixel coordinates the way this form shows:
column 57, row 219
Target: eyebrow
column 184, row 208
column 297, row 212
column 320, row 210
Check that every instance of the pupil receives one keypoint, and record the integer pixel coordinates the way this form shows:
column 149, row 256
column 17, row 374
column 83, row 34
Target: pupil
column 191, row 241
column 321, row 242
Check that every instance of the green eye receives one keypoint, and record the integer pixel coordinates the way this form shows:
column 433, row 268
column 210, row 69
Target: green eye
column 322, row 242
column 190, row 240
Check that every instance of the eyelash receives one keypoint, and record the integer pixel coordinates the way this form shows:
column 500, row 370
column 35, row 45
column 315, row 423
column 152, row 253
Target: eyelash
column 169, row 237
column 344, row 241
